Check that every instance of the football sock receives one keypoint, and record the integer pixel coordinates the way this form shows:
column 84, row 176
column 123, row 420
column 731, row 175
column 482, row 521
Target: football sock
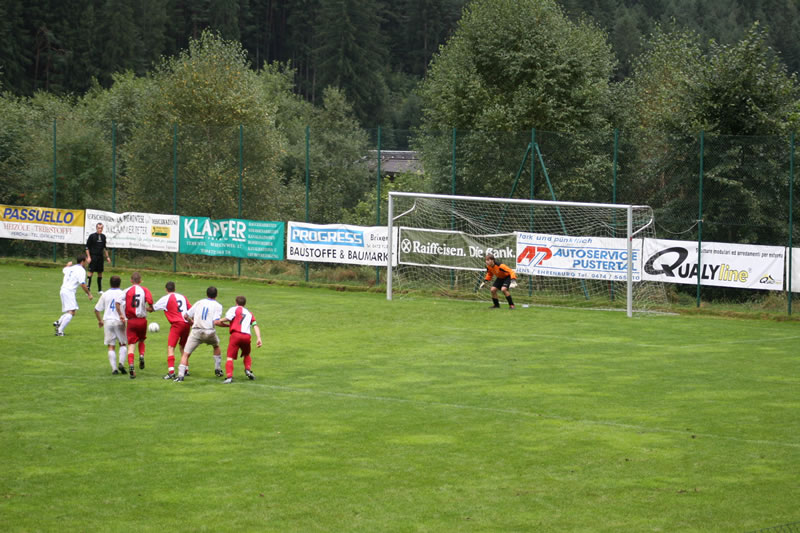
column 170, row 364
column 89, row 282
column 496, row 302
column 181, row 371
column 63, row 321
column 112, row 358
column 247, row 362
column 510, row 300
column 141, row 348
column 130, row 357
column 99, row 284
column 229, row 368
column 123, row 351
column 217, row 362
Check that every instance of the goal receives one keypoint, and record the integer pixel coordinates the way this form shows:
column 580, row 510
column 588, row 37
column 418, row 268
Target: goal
column 564, row 253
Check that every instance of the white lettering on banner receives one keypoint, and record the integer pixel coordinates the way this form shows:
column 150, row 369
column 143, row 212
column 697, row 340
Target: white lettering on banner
column 223, row 229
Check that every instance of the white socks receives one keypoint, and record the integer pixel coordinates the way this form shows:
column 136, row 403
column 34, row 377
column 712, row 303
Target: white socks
column 63, row 321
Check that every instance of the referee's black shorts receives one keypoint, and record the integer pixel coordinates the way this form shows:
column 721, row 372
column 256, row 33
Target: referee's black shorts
column 97, row 264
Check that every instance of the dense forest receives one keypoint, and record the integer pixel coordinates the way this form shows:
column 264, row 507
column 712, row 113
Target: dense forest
column 376, row 52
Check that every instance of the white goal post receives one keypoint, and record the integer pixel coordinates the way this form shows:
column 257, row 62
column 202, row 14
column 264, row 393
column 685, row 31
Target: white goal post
column 571, row 252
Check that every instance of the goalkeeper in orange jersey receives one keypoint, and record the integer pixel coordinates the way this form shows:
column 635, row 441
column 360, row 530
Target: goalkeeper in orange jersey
column 505, row 279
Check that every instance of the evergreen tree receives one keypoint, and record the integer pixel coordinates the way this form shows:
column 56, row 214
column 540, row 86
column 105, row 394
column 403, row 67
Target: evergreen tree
column 351, row 55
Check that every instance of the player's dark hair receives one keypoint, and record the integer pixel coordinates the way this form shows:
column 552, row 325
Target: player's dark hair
column 241, row 300
column 136, row 277
column 170, row 286
column 491, row 256
column 116, row 281
column 80, row 259
column 211, row 292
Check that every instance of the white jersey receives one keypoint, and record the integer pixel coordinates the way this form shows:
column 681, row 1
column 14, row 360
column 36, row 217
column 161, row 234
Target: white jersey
column 241, row 319
column 74, row 277
column 108, row 304
column 204, row 313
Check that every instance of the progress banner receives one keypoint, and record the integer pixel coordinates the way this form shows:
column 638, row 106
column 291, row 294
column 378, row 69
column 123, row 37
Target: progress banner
column 41, row 224
column 338, row 243
column 743, row 266
column 565, row 256
column 232, row 237
column 143, row 231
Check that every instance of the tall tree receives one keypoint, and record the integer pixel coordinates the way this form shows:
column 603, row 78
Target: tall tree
column 351, row 55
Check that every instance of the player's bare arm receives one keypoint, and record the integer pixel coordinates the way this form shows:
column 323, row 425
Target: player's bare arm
column 258, row 335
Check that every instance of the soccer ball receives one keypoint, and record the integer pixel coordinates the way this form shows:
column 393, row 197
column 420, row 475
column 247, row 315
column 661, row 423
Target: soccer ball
column 153, row 327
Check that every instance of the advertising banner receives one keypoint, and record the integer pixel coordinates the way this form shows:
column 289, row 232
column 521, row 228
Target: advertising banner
column 233, row 237
column 565, row 256
column 454, row 249
column 338, row 243
column 41, row 224
column 143, row 231
column 744, row 266
column 795, row 269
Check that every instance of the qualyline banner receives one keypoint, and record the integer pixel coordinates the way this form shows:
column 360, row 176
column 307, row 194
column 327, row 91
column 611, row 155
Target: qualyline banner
column 232, row 237
column 744, row 266
column 41, row 224
column 563, row 256
column 338, row 243
column 144, row 231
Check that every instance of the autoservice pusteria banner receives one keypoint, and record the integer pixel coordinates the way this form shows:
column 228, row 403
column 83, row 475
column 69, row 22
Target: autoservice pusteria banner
column 143, row 231
column 41, row 224
column 566, row 256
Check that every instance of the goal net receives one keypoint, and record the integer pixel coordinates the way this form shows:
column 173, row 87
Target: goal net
column 563, row 253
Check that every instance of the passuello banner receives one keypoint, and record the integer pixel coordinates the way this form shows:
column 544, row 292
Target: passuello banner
column 566, row 256
column 338, row 243
column 232, row 237
column 743, row 266
column 143, row 231
column 41, row 224
column 453, row 249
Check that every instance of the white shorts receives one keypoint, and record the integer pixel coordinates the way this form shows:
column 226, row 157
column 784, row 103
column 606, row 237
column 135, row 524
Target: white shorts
column 68, row 301
column 201, row 336
column 114, row 332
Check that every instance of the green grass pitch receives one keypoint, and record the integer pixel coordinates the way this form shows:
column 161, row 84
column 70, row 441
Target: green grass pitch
column 411, row 415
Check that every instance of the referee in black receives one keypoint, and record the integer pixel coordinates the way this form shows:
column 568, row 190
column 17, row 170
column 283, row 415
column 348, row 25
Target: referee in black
column 95, row 250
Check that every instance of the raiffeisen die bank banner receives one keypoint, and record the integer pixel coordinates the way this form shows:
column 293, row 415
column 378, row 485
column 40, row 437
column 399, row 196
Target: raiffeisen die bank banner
column 338, row 243
column 565, row 256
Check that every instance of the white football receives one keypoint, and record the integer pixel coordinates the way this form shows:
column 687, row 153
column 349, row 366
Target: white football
column 153, row 327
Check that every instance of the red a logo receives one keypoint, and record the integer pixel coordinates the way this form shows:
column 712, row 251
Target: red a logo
column 534, row 255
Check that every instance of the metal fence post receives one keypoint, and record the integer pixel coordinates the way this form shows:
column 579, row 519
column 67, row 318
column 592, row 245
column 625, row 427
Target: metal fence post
column 113, row 181
column 791, row 210
column 307, row 185
column 175, row 186
column 55, row 183
column 241, row 175
column 700, row 220
column 378, row 203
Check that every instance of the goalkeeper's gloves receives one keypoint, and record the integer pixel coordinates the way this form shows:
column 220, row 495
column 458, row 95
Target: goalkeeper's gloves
column 481, row 285
column 513, row 284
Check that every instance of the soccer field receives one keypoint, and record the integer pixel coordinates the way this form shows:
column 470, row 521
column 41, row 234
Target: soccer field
column 410, row 415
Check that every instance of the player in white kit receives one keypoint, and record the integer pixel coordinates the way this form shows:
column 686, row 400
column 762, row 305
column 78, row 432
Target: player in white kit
column 113, row 324
column 204, row 316
column 74, row 277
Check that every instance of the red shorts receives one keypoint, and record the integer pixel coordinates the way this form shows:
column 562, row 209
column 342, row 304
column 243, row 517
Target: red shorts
column 238, row 341
column 178, row 333
column 137, row 330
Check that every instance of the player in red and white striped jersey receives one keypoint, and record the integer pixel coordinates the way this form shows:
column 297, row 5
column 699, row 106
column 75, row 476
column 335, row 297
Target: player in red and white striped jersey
column 174, row 304
column 240, row 320
column 138, row 301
